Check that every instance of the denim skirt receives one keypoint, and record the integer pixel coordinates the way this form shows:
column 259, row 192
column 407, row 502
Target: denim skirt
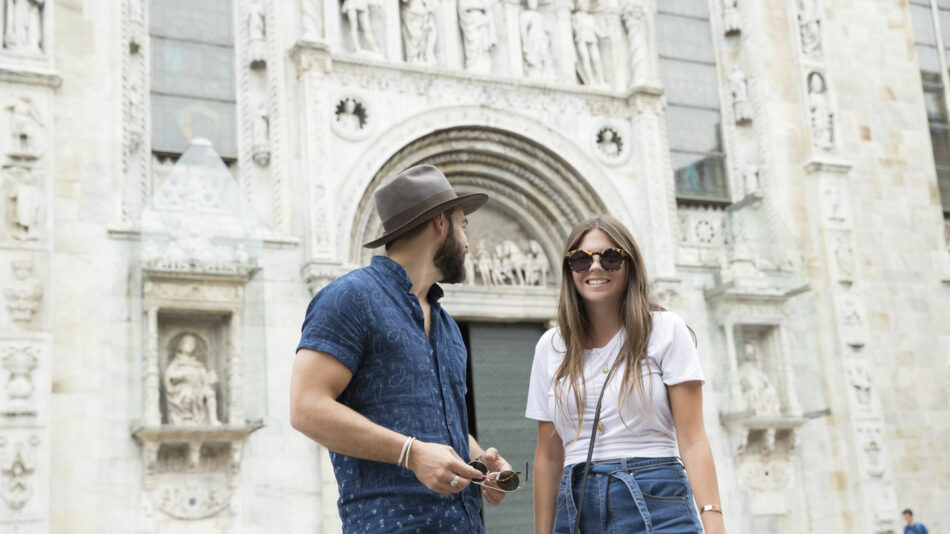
column 630, row 495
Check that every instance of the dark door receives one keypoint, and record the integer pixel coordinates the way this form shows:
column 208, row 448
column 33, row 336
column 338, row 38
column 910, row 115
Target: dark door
column 500, row 356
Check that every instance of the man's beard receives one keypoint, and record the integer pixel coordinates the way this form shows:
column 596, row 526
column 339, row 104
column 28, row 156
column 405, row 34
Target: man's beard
column 450, row 258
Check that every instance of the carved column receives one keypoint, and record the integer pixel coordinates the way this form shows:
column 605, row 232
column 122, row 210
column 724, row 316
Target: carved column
column 651, row 154
column 312, row 21
column 236, row 372
column 452, row 43
column 564, row 34
column 619, row 64
column 513, row 35
column 153, row 414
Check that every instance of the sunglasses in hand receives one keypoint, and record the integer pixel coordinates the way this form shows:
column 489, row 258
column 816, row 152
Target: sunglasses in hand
column 505, row 481
column 611, row 259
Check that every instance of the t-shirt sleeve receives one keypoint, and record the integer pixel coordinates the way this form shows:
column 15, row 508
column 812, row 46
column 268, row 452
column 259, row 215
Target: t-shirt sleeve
column 334, row 323
column 540, row 383
column 680, row 360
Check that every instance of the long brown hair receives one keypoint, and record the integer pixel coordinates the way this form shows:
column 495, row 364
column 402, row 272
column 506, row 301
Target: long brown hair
column 635, row 306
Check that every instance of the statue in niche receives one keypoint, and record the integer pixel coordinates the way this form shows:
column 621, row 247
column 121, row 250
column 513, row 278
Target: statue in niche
column 25, row 125
column 843, row 256
column 260, row 131
column 853, row 323
column 189, row 387
column 739, row 89
column 731, row 23
column 418, row 31
column 478, row 34
column 358, row 15
column 751, row 184
column 536, row 43
column 809, row 27
column 587, row 36
column 24, row 203
column 256, row 35
column 24, row 294
column 351, row 115
column 633, row 22
column 23, row 28
column 761, row 396
column 609, row 143
column 834, row 204
column 819, row 108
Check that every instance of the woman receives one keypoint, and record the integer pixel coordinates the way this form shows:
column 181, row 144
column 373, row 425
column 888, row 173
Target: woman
column 652, row 411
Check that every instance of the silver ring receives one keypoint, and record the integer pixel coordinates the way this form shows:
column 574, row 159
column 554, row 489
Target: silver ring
column 455, row 482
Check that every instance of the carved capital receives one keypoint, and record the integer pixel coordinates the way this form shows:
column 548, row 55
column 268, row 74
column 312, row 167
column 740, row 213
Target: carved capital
column 311, row 57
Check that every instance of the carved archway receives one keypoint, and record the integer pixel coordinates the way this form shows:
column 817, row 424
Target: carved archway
column 535, row 196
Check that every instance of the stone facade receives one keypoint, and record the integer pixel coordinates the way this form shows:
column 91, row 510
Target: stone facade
column 152, row 303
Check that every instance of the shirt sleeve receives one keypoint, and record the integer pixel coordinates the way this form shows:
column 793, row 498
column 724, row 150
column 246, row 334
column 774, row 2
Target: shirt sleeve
column 680, row 360
column 334, row 323
column 540, row 383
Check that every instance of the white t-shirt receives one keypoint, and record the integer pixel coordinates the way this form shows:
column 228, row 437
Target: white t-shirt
column 673, row 359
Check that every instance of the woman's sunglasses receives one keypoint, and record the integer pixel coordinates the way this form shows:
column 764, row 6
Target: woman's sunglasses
column 580, row 261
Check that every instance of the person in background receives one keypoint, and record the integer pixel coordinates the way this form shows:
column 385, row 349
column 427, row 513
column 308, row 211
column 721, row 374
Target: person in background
column 912, row 526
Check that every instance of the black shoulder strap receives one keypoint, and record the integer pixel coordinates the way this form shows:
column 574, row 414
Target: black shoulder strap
column 590, row 449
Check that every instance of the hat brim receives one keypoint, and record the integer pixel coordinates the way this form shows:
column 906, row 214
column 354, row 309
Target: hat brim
column 469, row 203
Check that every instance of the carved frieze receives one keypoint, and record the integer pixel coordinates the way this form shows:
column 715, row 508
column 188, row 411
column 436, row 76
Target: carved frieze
column 25, row 294
column 186, row 290
column 19, row 455
column 504, row 253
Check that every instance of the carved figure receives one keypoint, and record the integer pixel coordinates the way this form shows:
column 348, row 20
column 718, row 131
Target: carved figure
column 358, row 15
column 761, row 396
column 189, row 387
column 609, row 143
column 25, row 124
column 24, row 294
column 418, row 31
column 809, row 27
column 485, row 266
column 739, row 89
column 731, row 22
column 20, row 362
column 478, row 34
column 587, row 36
column 853, row 322
column 821, row 116
column 348, row 117
column 25, row 202
column 256, row 34
column 633, row 22
column 535, row 43
column 260, row 131
column 751, row 184
column 843, row 256
column 23, row 28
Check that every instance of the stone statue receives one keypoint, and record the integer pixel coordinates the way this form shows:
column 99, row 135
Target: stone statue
column 751, row 184
column 358, row 15
column 256, row 34
column 485, row 266
column 25, row 201
column 536, row 43
column 260, row 130
column 418, row 31
column 478, row 34
column 25, row 124
column 820, row 114
column 731, row 23
column 587, row 40
column 633, row 22
column 23, row 27
column 609, row 143
column 761, row 396
column 189, row 387
column 809, row 27
column 843, row 256
column 739, row 89
column 25, row 294
column 348, row 118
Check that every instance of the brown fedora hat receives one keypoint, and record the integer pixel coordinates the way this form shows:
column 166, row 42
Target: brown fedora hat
column 414, row 196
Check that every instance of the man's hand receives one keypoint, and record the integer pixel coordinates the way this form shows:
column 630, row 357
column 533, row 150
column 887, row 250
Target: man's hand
column 436, row 465
column 495, row 464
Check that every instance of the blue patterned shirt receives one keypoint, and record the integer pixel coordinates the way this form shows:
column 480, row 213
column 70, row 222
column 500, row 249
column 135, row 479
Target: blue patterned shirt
column 371, row 322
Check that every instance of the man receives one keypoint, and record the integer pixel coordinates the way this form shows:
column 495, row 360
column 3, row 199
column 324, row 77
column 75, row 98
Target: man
column 913, row 527
column 380, row 362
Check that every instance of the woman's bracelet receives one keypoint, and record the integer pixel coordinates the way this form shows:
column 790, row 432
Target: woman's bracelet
column 711, row 508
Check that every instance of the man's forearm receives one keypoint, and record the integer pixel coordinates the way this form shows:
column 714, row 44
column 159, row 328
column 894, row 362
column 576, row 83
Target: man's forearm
column 343, row 430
